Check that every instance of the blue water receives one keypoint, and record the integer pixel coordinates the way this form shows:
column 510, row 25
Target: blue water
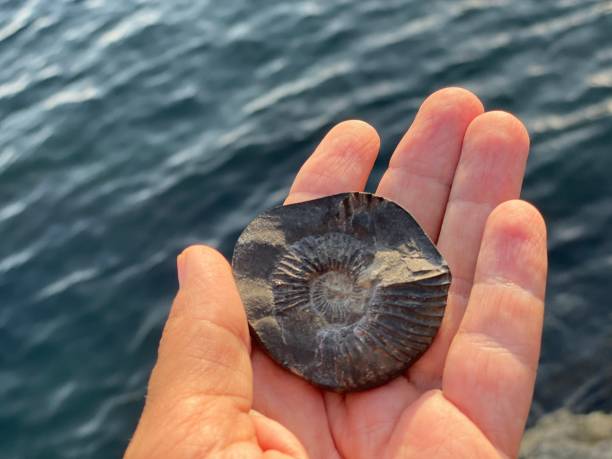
column 130, row 129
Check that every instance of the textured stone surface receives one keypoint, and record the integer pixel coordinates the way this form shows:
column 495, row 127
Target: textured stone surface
column 346, row 291
column 564, row 435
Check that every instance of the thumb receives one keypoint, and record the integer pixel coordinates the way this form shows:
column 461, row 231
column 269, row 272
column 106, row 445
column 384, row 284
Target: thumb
column 205, row 347
column 200, row 390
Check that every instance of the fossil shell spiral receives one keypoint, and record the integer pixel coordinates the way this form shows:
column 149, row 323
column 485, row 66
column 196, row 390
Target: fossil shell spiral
column 346, row 291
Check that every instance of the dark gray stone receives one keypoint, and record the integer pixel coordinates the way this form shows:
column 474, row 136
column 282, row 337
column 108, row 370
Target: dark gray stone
column 346, row 291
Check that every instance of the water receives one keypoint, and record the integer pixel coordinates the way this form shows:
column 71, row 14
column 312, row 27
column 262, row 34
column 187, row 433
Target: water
column 129, row 129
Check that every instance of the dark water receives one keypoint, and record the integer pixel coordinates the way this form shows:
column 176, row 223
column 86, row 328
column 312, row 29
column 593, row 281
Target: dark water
column 129, row 129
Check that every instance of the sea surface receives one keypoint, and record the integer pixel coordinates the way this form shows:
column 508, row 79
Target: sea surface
column 130, row 129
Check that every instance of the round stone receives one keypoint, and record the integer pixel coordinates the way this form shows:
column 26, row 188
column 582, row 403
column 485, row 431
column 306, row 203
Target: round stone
column 346, row 291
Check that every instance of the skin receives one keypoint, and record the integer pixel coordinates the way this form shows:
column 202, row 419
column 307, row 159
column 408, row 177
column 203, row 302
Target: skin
column 458, row 170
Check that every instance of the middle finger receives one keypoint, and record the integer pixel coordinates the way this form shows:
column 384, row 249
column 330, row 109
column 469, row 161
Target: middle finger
column 422, row 167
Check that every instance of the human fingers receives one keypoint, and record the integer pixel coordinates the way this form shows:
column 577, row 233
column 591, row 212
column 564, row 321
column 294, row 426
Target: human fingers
column 294, row 403
column 269, row 432
column 491, row 366
column 422, row 167
column 200, row 390
column 490, row 171
column 342, row 162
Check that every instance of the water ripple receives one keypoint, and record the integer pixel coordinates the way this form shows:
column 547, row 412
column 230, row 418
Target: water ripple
column 20, row 20
column 297, row 87
column 583, row 115
column 128, row 26
column 66, row 282
column 79, row 93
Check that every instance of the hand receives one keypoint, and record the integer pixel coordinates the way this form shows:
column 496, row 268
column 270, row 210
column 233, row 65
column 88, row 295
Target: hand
column 457, row 170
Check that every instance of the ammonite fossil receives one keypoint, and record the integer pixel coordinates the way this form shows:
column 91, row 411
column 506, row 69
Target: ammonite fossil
column 346, row 291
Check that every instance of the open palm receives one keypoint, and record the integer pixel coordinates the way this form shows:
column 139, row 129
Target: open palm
column 458, row 171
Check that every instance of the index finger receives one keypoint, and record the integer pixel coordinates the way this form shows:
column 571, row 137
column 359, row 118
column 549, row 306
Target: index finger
column 342, row 162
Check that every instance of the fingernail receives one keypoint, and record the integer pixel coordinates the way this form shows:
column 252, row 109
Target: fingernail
column 181, row 268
